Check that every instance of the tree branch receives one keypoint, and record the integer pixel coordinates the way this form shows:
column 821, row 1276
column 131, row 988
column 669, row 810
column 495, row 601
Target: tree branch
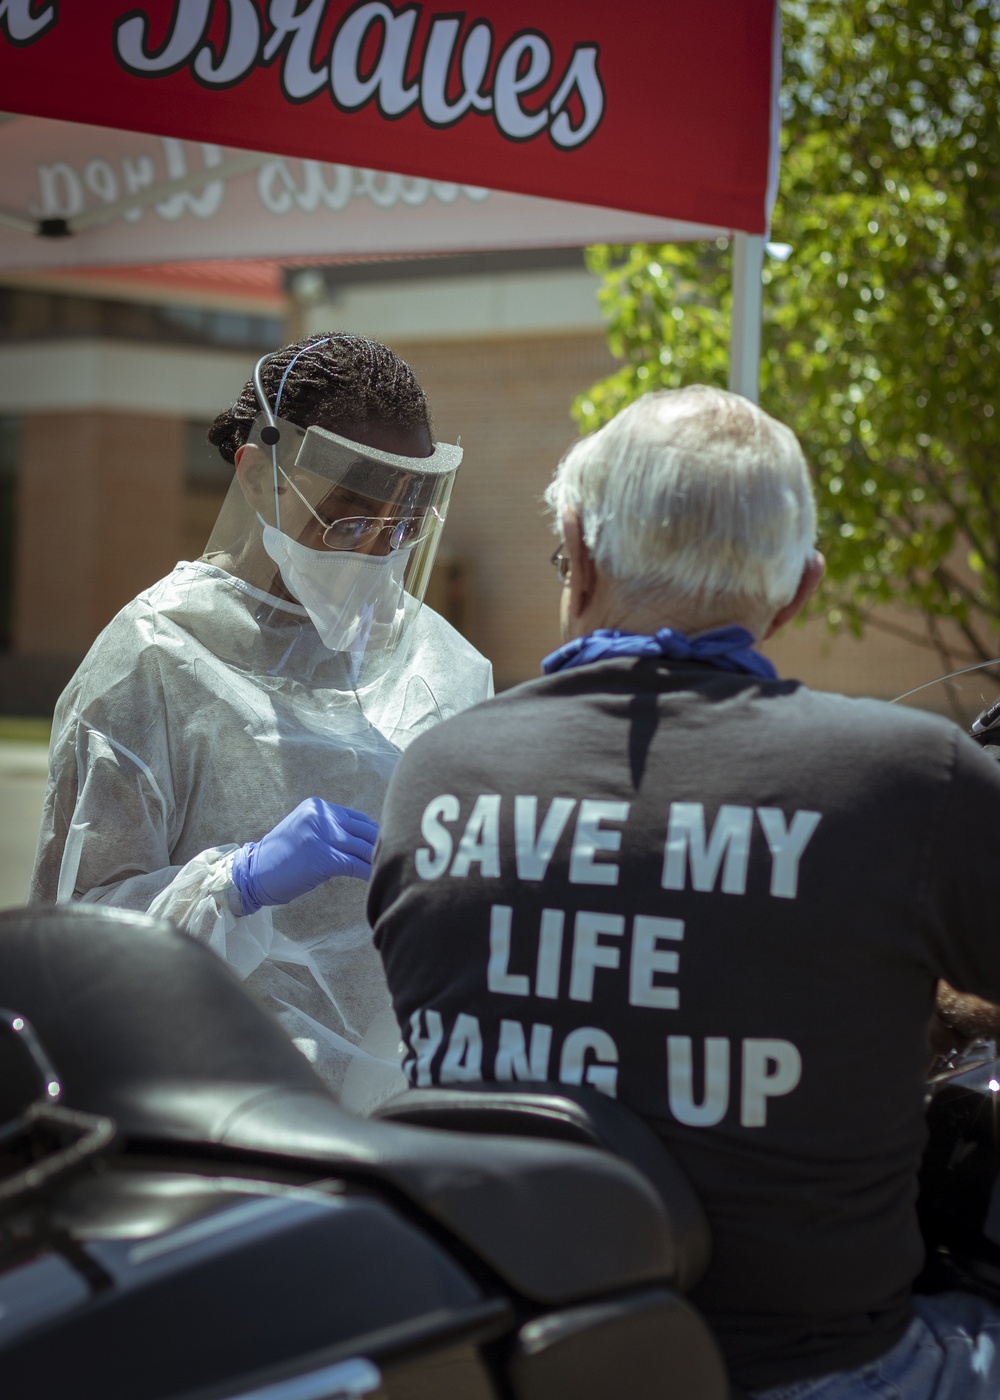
column 894, row 629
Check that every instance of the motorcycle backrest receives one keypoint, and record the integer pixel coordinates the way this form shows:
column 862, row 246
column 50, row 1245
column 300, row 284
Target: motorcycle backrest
column 569, row 1114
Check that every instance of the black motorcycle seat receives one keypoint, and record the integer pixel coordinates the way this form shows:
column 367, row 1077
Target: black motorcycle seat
column 147, row 1026
column 569, row 1113
column 556, row 1221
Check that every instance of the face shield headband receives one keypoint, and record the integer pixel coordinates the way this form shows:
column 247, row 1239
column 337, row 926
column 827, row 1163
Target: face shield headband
column 403, row 483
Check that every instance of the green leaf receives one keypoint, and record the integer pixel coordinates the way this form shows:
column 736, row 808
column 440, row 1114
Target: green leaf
column 880, row 342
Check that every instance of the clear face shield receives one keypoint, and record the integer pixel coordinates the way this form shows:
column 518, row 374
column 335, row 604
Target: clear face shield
column 346, row 531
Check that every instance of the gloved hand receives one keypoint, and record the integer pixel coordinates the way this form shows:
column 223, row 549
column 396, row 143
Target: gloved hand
column 313, row 843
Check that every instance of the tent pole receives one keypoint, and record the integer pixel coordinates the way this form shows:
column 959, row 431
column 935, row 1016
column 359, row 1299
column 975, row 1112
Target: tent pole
column 744, row 331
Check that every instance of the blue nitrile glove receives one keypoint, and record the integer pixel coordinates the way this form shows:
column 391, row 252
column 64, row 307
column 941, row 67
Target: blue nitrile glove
column 313, row 843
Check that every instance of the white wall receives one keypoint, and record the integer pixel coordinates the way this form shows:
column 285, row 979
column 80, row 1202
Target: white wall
column 122, row 377
column 433, row 308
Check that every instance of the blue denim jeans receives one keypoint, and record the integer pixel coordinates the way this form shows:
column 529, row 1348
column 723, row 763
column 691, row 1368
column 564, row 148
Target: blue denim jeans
column 950, row 1351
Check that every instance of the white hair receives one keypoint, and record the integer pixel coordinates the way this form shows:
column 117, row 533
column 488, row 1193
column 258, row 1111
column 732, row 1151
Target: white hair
column 695, row 495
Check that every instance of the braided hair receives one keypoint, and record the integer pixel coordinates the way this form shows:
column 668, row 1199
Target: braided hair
column 342, row 379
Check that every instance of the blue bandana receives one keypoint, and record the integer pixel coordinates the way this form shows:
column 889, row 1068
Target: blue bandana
column 729, row 648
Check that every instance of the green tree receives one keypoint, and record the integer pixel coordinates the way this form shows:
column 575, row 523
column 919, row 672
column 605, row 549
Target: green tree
column 880, row 343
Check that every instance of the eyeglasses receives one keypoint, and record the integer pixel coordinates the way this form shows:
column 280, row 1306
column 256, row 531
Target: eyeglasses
column 561, row 563
column 389, row 532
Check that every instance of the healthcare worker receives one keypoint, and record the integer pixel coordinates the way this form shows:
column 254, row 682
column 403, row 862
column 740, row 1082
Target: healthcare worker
column 221, row 755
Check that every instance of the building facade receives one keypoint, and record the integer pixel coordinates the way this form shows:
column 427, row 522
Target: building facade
column 106, row 390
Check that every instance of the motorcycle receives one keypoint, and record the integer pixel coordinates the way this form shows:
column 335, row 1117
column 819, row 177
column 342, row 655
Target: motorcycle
column 959, row 1200
column 187, row 1214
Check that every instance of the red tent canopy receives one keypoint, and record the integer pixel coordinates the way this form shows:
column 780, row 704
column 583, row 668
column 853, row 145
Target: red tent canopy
column 129, row 197
column 662, row 109
column 665, row 110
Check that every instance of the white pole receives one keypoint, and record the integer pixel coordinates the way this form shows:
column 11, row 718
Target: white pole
column 744, row 330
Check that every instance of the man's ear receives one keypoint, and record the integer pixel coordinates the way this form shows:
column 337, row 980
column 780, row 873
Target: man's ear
column 582, row 570
column 812, row 573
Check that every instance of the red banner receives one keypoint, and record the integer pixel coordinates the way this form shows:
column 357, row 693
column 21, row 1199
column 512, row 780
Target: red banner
column 662, row 107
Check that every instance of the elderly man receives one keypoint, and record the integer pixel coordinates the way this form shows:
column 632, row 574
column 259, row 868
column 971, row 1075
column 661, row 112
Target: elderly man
column 722, row 897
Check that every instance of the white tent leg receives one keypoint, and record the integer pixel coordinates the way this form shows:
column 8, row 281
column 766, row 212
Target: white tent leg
column 744, row 331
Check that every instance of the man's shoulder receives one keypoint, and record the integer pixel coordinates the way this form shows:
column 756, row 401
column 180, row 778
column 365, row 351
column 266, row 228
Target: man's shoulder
column 489, row 736
column 854, row 739
column 861, row 717
column 543, row 721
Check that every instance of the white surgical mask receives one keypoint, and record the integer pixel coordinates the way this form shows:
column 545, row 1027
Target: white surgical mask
column 353, row 599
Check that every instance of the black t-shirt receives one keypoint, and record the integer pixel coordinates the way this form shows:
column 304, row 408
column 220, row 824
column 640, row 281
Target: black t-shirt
column 727, row 902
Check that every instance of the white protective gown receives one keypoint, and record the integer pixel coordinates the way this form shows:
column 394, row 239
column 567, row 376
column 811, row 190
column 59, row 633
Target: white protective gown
column 203, row 714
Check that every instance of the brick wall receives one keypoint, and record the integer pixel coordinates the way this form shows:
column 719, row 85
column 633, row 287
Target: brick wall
column 509, row 401
column 99, row 503
column 103, row 512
